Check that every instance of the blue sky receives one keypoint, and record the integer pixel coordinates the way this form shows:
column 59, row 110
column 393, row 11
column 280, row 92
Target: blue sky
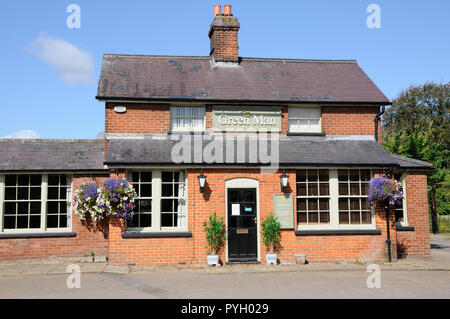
column 50, row 72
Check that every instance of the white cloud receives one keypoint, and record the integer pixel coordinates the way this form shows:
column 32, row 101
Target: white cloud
column 74, row 65
column 27, row 134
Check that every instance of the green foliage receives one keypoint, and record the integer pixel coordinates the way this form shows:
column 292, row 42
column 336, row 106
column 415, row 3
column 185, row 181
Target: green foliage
column 90, row 254
column 215, row 234
column 271, row 233
column 418, row 126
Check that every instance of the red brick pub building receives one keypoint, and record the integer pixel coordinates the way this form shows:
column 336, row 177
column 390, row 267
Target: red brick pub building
column 168, row 119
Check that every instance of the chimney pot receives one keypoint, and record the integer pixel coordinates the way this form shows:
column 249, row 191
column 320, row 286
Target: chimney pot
column 227, row 10
column 217, row 10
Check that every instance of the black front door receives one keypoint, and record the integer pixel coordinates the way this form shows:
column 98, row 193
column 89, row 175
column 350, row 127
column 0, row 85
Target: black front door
column 242, row 225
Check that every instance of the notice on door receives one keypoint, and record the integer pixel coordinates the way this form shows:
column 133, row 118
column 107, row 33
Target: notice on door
column 283, row 205
column 236, row 209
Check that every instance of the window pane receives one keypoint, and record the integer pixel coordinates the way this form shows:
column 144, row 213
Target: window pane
column 364, row 189
column 324, row 175
column 35, row 208
column 10, row 208
column 354, row 175
column 23, row 180
column 145, row 205
column 146, row 177
column 22, row 208
column 135, row 177
column 35, row 193
column 52, row 207
column 167, row 205
column 365, row 175
column 313, row 205
column 22, row 193
column 167, row 190
column 52, row 193
column 343, row 175
column 302, row 218
column 343, row 189
column 343, row 204
column 343, row 218
column 301, row 189
column 313, row 189
column 146, row 190
column 63, row 208
column 313, row 218
column 301, row 204
column 10, row 180
column 354, row 204
column 301, row 176
column 22, row 222
column 52, row 221
column 354, row 189
column 35, row 180
column 324, row 204
column 62, row 192
column 167, row 220
column 355, row 217
column 10, row 193
column 145, row 220
column 167, row 177
column 324, row 189
column 9, row 222
column 366, row 217
column 324, row 217
column 313, row 175
column 63, row 221
column 53, row 180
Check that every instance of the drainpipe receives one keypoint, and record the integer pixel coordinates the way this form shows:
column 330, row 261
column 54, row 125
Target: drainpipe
column 376, row 121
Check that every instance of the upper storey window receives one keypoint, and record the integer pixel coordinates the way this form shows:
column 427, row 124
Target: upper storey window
column 187, row 118
column 305, row 119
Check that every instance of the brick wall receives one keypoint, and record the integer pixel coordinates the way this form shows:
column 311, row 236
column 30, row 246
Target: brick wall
column 35, row 248
column 165, row 251
column 350, row 120
column 155, row 119
column 417, row 242
column 140, row 118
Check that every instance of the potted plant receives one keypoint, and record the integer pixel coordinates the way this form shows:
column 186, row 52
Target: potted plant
column 271, row 233
column 215, row 237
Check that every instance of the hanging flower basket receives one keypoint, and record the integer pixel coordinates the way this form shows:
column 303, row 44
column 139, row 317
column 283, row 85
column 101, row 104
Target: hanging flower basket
column 385, row 190
column 115, row 198
column 86, row 201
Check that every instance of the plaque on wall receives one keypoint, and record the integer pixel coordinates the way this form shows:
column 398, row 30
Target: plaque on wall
column 283, row 206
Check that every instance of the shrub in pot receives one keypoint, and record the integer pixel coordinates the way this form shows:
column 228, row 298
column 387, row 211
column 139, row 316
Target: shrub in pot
column 271, row 233
column 215, row 237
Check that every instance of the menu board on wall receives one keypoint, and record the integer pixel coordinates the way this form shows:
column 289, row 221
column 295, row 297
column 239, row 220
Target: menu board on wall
column 283, row 205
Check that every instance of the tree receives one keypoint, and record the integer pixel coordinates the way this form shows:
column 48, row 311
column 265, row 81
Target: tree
column 417, row 125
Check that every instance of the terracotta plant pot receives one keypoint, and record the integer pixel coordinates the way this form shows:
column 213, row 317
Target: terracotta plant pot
column 300, row 259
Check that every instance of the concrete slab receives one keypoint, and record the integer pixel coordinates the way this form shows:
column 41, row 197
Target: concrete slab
column 117, row 269
column 142, row 270
column 92, row 267
column 38, row 269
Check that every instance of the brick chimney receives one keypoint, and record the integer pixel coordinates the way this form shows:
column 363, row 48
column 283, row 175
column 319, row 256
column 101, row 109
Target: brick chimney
column 224, row 36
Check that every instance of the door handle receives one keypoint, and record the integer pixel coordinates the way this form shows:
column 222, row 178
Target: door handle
column 256, row 220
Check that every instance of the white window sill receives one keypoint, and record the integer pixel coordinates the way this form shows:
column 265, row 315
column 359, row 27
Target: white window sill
column 36, row 235
column 319, row 232
column 171, row 234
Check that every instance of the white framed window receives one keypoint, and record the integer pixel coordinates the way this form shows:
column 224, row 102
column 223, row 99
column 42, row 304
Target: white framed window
column 35, row 203
column 400, row 209
column 354, row 207
column 313, row 196
column 334, row 199
column 305, row 119
column 187, row 118
column 161, row 202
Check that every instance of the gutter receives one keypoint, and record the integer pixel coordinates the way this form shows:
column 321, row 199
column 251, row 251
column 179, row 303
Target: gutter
column 377, row 117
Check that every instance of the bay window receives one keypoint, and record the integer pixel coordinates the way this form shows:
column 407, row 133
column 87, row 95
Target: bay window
column 161, row 201
column 35, row 203
column 333, row 199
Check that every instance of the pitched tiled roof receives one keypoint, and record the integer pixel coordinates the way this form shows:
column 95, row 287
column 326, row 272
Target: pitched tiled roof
column 406, row 162
column 51, row 155
column 262, row 80
column 316, row 151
